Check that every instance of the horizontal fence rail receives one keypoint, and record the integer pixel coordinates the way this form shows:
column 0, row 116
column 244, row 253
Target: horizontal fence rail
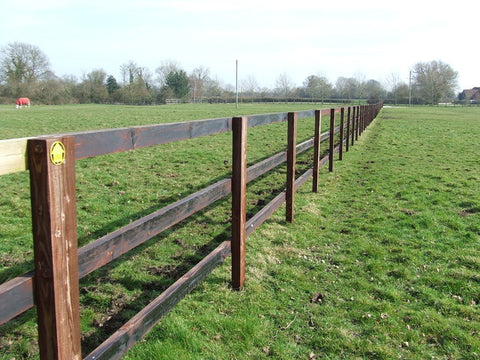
column 13, row 152
column 17, row 295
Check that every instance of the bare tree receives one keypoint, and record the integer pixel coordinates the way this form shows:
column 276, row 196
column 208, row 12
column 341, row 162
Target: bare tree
column 131, row 71
column 167, row 67
column 250, row 86
column 21, row 65
column 346, row 88
column 394, row 82
column 199, row 78
column 284, row 85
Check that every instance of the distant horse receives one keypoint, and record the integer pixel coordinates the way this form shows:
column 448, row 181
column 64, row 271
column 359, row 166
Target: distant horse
column 23, row 102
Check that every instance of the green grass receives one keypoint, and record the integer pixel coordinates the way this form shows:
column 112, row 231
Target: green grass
column 382, row 263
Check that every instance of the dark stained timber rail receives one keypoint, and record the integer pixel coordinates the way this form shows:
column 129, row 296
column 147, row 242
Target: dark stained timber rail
column 111, row 246
column 95, row 143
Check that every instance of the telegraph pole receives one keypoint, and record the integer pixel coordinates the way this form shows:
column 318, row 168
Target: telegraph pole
column 410, row 89
column 236, row 83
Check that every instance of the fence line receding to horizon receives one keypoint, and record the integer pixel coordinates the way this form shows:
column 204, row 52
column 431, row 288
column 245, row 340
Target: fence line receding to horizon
column 59, row 264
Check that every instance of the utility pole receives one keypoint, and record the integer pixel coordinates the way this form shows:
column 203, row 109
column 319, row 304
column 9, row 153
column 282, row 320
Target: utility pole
column 236, row 83
column 410, row 89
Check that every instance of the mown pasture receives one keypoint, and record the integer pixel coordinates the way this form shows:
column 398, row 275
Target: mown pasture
column 382, row 263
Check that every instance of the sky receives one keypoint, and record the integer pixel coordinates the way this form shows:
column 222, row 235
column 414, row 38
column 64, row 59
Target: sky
column 360, row 39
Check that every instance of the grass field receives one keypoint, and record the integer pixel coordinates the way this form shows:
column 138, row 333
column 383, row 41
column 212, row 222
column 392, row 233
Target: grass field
column 382, row 263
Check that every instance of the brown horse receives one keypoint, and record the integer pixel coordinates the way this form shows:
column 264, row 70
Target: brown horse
column 23, row 101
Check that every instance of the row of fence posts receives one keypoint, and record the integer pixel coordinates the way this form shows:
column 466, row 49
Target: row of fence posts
column 358, row 118
column 52, row 175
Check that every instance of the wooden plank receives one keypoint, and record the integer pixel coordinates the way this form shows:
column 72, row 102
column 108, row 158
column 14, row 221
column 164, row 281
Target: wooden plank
column 316, row 150
column 291, row 163
column 264, row 213
column 132, row 331
column 16, row 296
column 239, row 201
column 332, row 140
column 108, row 141
column 303, row 178
column 54, row 222
column 13, row 155
column 305, row 114
column 102, row 142
column 265, row 119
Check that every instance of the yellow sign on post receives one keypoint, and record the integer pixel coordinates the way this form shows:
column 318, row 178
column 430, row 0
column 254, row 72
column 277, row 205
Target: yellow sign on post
column 57, row 153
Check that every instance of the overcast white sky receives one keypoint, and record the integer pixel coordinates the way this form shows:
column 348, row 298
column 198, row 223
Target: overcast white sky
column 363, row 39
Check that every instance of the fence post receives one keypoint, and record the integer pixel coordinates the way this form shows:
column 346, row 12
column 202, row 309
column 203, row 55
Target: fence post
column 357, row 127
column 342, row 115
column 316, row 149
column 363, row 119
column 347, row 141
column 54, row 223
column 291, row 162
column 332, row 140
column 239, row 202
column 353, row 124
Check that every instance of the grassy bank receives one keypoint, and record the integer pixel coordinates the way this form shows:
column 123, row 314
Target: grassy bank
column 382, row 263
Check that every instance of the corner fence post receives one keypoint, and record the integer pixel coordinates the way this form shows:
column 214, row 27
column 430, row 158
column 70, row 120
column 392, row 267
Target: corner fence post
column 54, row 223
column 291, row 162
column 332, row 140
column 239, row 202
column 316, row 150
column 342, row 116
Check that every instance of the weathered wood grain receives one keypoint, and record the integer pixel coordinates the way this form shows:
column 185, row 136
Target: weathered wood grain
column 316, row 150
column 54, row 223
column 13, row 155
column 239, row 201
column 291, row 163
column 332, row 140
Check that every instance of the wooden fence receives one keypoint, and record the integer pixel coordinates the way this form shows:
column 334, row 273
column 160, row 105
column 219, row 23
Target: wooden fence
column 59, row 264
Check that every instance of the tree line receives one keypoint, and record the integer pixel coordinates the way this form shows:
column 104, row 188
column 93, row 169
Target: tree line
column 25, row 71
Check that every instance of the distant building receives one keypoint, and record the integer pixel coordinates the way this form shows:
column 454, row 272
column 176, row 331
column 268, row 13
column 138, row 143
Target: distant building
column 470, row 95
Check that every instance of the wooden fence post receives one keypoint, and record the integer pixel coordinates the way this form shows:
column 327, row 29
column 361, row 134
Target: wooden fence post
column 332, row 140
column 316, row 149
column 363, row 118
column 291, row 162
column 347, row 140
column 357, row 126
column 353, row 125
column 342, row 115
column 54, row 222
column 239, row 202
